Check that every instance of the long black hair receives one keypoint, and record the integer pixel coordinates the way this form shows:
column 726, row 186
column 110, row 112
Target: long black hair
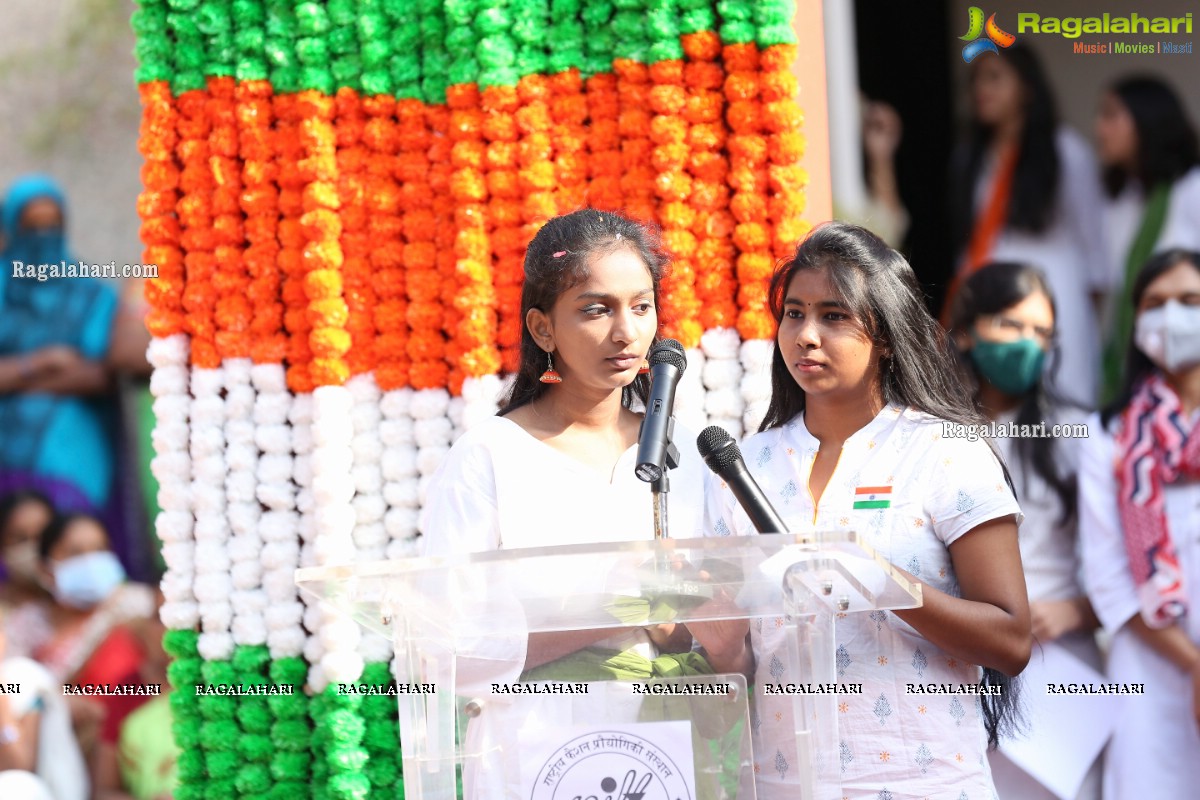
column 879, row 288
column 577, row 237
column 1138, row 365
column 990, row 290
column 1166, row 140
column 1034, row 199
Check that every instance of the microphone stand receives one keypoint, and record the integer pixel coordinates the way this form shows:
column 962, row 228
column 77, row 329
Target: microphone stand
column 661, row 487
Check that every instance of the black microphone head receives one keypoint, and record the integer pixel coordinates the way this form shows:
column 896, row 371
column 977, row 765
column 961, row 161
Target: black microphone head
column 668, row 351
column 718, row 448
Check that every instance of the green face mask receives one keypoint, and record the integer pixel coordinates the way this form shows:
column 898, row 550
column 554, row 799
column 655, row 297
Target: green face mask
column 1012, row 367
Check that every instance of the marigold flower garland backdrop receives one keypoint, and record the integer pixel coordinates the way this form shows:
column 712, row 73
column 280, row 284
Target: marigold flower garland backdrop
column 338, row 195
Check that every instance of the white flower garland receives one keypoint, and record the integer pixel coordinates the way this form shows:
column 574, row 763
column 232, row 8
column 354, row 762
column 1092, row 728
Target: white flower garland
column 756, row 380
column 213, row 585
column 722, row 376
column 278, row 526
column 689, row 395
column 398, row 466
column 172, row 468
column 333, row 495
column 370, row 533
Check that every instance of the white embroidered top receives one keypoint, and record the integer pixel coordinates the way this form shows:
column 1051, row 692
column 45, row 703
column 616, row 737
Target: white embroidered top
column 892, row 743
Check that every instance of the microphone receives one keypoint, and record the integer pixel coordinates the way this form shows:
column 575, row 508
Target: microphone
column 721, row 454
column 667, row 363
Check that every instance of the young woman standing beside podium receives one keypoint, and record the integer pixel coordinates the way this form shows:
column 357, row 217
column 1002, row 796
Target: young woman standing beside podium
column 860, row 435
column 556, row 465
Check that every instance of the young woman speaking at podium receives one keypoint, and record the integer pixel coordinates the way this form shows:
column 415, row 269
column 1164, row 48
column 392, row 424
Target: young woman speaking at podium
column 556, row 465
column 859, row 435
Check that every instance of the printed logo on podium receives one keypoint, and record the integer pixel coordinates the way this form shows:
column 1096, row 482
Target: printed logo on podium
column 642, row 761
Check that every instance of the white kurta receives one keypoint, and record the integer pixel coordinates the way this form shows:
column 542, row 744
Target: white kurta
column 892, row 743
column 1123, row 216
column 501, row 488
column 1155, row 751
column 1071, row 252
column 1051, row 561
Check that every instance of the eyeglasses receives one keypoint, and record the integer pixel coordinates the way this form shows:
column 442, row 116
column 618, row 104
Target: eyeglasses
column 1014, row 328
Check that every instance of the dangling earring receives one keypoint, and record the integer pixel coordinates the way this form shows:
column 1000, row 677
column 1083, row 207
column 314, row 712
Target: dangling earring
column 645, row 368
column 550, row 375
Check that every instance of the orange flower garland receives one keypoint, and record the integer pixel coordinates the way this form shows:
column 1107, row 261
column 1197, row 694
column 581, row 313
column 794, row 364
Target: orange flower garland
column 748, row 177
column 446, row 213
column 669, row 132
column 638, row 177
column 322, row 227
column 535, row 153
column 569, row 111
column 392, row 149
column 500, row 104
column 233, row 311
column 428, row 223
column 358, row 292
column 785, row 146
column 260, row 204
column 196, row 218
column 604, row 143
column 160, row 232
column 288, row 152
column 713, row 226
column 472, row 352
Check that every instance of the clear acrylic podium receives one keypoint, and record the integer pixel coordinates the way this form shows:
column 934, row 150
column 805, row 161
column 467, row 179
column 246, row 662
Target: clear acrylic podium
column 459, row 627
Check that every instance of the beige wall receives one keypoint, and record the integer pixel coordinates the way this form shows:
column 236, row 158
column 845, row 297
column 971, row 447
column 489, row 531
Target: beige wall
column 1079, row 79
column 69, row 107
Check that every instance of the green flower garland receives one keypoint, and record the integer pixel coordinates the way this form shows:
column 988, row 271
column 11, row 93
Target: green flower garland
column 183, row 673
column 737, row 21
column 565, row 36
column 312, row 47
column 291, row 732
column 280, row 46
column 190, row 56
column 599, row 41
column 153, row 48
column 773, row 19
column 531, row 21
column 214, row 19
column 249, row 40
column 696, row 15
column 629, row 30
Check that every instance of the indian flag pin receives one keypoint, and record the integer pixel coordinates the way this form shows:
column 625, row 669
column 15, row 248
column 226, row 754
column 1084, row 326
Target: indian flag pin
column 872, row 497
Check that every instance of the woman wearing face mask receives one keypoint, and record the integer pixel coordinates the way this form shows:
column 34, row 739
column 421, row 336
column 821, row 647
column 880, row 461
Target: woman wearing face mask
column 1147, row 147
column 1139, row 491
column 82, row 636
column 1003, row 323
column 1027, row 190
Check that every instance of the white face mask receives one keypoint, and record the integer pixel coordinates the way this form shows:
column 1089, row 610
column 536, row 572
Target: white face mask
column 1170, row 335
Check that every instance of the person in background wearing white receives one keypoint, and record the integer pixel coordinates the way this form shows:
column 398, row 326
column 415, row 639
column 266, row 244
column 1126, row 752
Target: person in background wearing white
column 1139, row 502
column 1003, row 323
column 1027, row 190
column 1147, row 147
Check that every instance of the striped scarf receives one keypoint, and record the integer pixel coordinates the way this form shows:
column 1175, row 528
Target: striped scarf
column 1155, row 448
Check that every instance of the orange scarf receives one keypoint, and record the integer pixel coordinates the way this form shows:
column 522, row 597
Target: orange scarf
column 987, row 228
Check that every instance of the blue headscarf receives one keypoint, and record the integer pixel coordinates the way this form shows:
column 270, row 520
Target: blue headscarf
column 47, row 246
column 56, row 436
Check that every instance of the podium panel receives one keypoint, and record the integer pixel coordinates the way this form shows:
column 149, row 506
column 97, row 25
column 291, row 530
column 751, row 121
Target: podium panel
column 608, row 720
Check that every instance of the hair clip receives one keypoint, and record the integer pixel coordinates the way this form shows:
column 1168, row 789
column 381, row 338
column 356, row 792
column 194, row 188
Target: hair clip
column 560, row 254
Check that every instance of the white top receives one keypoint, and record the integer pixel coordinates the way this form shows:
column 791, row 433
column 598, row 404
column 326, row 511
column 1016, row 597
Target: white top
column 1049, row 549
column 1153, row 752
column 1123, row 216
column 908, row 745
column 499, row 487
column 1072, row 253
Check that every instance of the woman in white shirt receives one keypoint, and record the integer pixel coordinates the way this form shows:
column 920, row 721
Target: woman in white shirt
column 1003, row 323
column 556, row 465
column 1027, row 191
column 1139, row 502
column 863, row 384
column 1147, row 147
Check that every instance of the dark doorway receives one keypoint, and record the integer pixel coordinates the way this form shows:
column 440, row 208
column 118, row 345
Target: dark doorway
column 905, row 51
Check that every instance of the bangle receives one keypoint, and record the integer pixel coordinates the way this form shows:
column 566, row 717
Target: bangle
column 9, row 734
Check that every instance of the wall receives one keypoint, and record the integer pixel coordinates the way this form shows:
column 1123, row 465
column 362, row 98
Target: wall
column 69, row 107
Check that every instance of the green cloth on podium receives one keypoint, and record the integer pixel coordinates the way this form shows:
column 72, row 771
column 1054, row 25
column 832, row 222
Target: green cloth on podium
column 595, row 664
